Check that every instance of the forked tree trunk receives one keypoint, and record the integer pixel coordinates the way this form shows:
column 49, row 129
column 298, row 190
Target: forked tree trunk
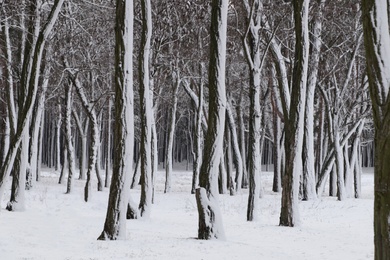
column 255, row 12
column 210, row 219
column 94, row 132
column 309, row 181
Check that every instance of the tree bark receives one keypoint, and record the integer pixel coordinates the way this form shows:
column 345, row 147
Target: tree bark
column 376, row 40
column 210, row 219
column 109, row 152
column 146, row 111
column 294, row 120
column 115, row 223
column 309, row 181
column 254, row 58
column 33, row 65
column 171, row 134
column 68, row 137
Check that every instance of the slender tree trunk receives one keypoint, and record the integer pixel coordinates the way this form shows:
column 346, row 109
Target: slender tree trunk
column 108, row 140
column 171, row 134
column 253, row 54
column 115, row 223
column 210, row 219
column 146, row 111
column 222, row 178
column 94, row 138
column 58, row 139
column 308, row 188
column 65, row 167
column 241, row 182
column 294, row 120
column 83, row 155
column 236, row 148
column 17, row 202
column 277, row 149
column 40, row 144
column 68, row 137
column 198, row 138
column 229, row 161
column 136, row 174
column 339, row 161
column 356, row 167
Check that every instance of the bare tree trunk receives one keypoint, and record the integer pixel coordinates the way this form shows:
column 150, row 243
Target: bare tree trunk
column 171, row 134
column 68, row 137
column 198, row 138
column 229, row 161
column 65, row 167
column 146, row 111
column 58, row 138
column 30, row 85
column 376, row 39
column 40, row 144
column 115, row 223
column 94, row 139
column 243, row 181
column 277, row 143
column 210, row 219
column 17, row 201
column 108, row 140
column 294, row 120
column 236, row 148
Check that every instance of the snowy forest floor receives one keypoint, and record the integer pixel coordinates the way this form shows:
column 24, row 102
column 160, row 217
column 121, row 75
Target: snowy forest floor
column 61, row 226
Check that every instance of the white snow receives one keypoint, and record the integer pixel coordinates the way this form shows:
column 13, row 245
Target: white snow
column 62, row 226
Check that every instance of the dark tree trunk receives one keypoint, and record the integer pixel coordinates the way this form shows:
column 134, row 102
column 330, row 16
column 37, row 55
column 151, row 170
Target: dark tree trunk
column 146, row 111
column 294, row 118
column 115, row 223
column 376, row 40
column 210, row 225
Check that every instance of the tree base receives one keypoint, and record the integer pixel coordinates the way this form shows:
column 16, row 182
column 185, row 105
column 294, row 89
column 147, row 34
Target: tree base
column 210, row 222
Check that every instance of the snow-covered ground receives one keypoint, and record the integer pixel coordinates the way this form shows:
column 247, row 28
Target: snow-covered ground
column 61, row 226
